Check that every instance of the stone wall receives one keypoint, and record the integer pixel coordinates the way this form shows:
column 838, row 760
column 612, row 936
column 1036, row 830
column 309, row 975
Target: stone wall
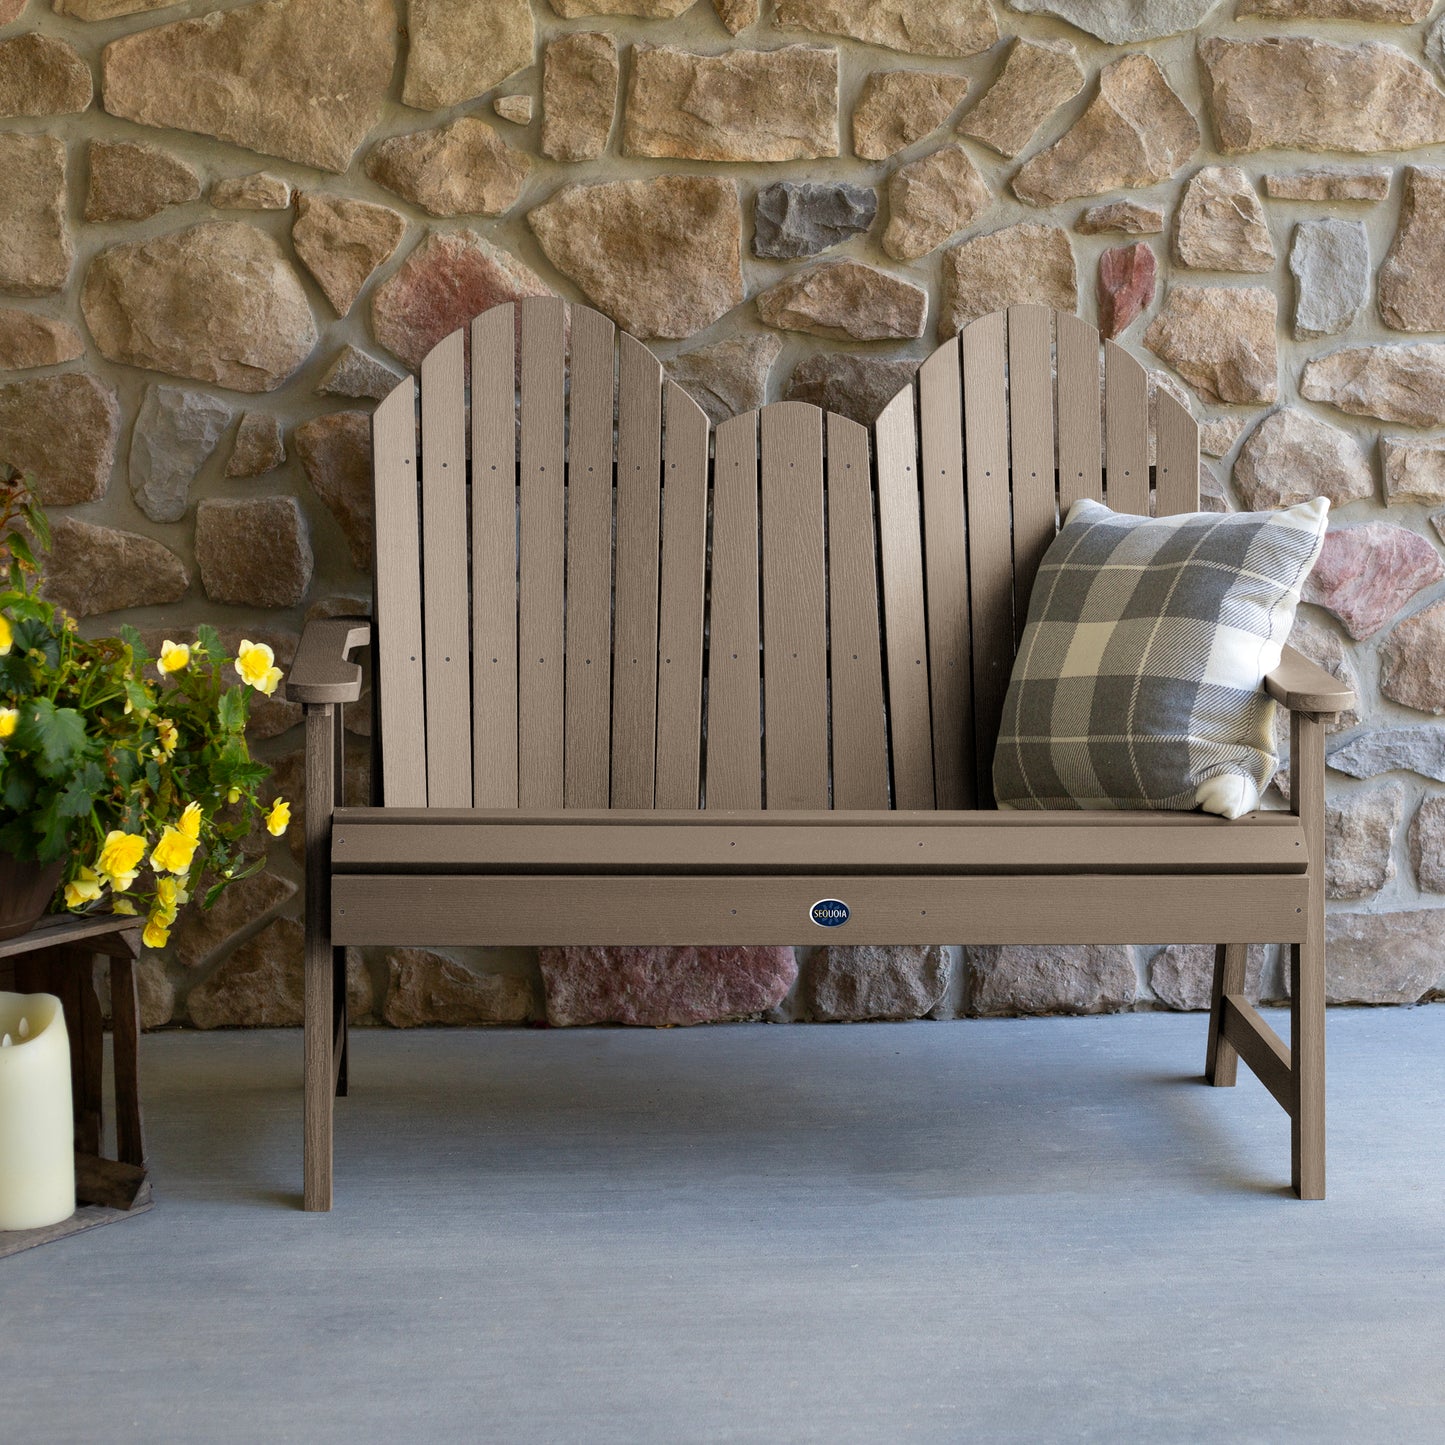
column 223, row 232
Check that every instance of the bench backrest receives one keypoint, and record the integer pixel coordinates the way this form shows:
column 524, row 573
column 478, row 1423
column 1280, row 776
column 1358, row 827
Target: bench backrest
column 612, row 612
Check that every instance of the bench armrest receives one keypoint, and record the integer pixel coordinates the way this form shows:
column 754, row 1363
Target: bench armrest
column 322, row 671
column 1304, row 686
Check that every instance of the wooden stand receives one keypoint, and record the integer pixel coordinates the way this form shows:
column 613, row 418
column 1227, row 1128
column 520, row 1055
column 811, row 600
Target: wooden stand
column 58, row 956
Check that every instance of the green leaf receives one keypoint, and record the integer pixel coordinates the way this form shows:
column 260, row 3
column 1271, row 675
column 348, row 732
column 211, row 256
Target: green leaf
column 79, row 795
column 20, row 548
column 51, row 831
column 232, row 710
column 56, row 733
column 39, row 524
column 132, row 639
column 216, row 889
column 19, row 791
column 210, row 641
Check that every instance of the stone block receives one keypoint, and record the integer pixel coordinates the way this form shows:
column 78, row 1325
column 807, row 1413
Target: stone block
column 1047, row 979
column 873, row 982
column 254, row 551
column 663, row 987
column 745, row 105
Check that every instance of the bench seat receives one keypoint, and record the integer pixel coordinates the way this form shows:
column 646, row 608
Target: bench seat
column 453, row 877
column 622, row 841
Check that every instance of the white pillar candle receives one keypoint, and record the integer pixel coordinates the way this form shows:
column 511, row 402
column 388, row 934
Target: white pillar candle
column 37, row 1128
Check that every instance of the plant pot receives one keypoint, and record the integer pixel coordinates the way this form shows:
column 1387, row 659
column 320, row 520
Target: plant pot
column 25, row 893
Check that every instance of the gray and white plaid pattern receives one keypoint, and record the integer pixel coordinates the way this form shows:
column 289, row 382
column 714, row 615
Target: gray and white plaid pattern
column 1138, row 678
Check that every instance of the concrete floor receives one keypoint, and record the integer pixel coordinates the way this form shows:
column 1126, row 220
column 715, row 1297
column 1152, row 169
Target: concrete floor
column 1001, row 1231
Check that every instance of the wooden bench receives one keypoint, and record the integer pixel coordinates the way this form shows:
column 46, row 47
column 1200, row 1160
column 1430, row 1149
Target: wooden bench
column 639, row 681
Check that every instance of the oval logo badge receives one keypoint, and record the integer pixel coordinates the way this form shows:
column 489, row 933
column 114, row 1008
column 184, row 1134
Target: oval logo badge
column 829, row 912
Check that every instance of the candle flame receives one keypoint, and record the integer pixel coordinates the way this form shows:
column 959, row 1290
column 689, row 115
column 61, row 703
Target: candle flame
column 24, row 1029
column 5, row 1042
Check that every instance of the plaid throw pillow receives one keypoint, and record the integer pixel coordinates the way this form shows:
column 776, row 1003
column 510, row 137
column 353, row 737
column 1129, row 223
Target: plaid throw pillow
column 1138, row 679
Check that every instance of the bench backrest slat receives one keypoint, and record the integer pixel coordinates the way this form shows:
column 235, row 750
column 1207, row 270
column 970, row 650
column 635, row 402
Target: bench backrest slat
column 444, row 576
column 900, row 549
column 990, row 544
column 639, row 509
column 1031, row 447
column 400, row 671
column 1126, row 431
column 494, row 562
column 542, row 556
column 945, row 531
column 790, row 611
column 795, row 637
column 1177, row 462
column 860, row 721
column 734, row 705
column 680, row 620
column 589, row 559
column 1079, row 414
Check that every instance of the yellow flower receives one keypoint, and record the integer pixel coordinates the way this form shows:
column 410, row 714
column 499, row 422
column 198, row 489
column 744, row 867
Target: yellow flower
column 169, row 897
column 122, row 905
column 190, row 823
column 233, row 795
column 279, row 818
column 7, row 637
column 120, row 857
column 257, row 665
column 84, row 888
column 9, row 721
column 157, row 932
column 166, row 739
column 174, row 852
column 174, row 656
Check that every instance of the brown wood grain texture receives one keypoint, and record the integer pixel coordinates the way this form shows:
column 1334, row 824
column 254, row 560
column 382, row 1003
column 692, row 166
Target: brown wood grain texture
column 444, row 575
column 1307, row 963
column 593, row 392
column 108, row 933
column 494, row 558
column 447, row 910
column 1302, row 685
column 619, row 843
column 1080, row 438
column 734, row 716
column 125, row 1049
column 900, row 547
column 541, row 659
column 318, row 980
column 945, row 552
column 680, row 605
column 400, row 670
column 1126, row 432
column 1221, row 1063
column 855, row 663
column 990, row 537
column 1176, row 469
column 1031, row 448
column 1260, row 1047
column 634, row 648
column 795, row 677
column 929, row 817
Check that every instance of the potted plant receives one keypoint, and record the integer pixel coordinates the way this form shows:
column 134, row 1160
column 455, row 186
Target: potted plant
column 125, row 779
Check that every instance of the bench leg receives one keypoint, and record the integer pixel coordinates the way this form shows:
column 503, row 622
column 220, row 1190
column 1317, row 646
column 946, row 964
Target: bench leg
column 341, row 1022
column 1307, row 1051
column 1220, row 1059
column 1307, row 965
column 320, row 990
